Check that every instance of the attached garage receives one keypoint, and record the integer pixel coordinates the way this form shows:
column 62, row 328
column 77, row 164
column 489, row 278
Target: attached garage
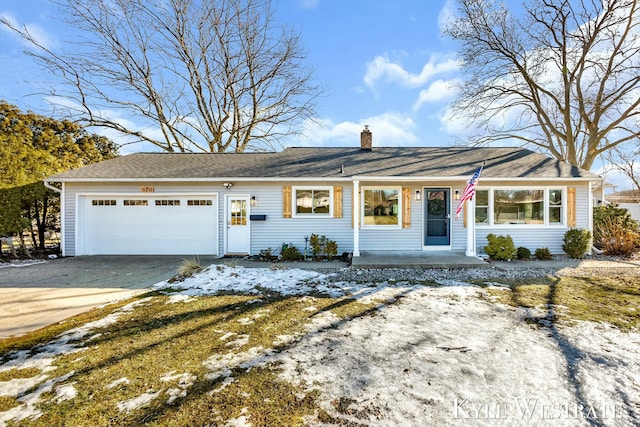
column 147, row 225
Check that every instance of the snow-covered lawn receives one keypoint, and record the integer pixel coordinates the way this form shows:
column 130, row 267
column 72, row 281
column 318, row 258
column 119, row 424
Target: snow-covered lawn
column 444, row 355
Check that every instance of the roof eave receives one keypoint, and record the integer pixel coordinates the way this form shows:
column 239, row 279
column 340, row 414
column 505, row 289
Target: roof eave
column 321, row 179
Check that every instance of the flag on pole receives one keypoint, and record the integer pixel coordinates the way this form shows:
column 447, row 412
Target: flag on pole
column 469, row 190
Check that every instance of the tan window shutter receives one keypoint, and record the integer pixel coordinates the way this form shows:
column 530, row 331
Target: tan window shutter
column 337, row 201
column 406, row 207
column 571, row 207
column 286, row 202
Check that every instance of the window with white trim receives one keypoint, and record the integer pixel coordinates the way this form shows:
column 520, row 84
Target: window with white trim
column 312, row 201
column 520, row 206
column 381, row 206
column 482, row 207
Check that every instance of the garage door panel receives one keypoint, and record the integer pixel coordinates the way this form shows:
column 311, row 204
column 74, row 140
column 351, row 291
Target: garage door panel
column 140, row 226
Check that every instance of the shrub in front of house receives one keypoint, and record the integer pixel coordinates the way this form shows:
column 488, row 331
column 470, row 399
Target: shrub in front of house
column 523, row 253
column 290, row 253
column 615, row 231
column 500, row 248
column 576, row 242
column 543, row 254
column 322, row 247
column 266, row 255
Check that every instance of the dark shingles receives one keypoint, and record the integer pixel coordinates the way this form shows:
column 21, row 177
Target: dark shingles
column 502, row 162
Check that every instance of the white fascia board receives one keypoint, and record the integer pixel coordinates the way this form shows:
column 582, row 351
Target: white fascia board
column 464, row 178
column 214, row 179
column 327, row 179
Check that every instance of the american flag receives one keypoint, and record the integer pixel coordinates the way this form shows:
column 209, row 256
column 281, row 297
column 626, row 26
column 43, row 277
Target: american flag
column 469, row 190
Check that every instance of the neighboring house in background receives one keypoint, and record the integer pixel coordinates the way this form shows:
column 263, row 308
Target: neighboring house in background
column 365, row 198
column 628, row 199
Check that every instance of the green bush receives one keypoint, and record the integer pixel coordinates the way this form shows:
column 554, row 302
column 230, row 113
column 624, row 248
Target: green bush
column 523, row 253
column 614, row 230
column 331, row 249
column 500, row 248
column 322, row 247
column 266, row 255
column 290, row 253
column 576, row 242
column 543, row 254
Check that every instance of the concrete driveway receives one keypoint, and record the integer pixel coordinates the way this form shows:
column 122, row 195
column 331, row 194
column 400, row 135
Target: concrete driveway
column 35, row 296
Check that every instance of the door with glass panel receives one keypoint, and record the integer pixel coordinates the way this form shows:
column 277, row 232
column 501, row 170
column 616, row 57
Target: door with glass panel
column 437, row 217
column 238, row 225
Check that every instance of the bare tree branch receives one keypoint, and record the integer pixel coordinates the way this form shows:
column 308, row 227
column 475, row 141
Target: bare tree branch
column 183, row 75
column 560, row 75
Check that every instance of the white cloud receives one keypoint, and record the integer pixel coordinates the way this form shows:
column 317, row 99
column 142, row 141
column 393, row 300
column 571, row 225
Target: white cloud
column 447, row 13
column 437, row 91
column 389, row 129
column 381, row 68
column 309, row 4
column 36, row 32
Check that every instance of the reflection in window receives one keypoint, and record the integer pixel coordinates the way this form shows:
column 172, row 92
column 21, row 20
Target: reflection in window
column 167, row 202
column 199, row 202
column 313, row 201
column 482, row 206
column 518, row 207
column 136, row 202
column 555, row 206
column 238, row 212
column 103, row 202
column 381, row 206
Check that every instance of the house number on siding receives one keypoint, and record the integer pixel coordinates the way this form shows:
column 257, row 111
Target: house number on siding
column 147, row 189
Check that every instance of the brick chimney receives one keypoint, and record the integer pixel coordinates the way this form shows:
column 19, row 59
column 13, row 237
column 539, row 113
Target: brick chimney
column 366, row 139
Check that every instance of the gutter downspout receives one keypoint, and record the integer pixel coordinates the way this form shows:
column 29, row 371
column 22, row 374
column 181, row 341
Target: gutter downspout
column 51, row 187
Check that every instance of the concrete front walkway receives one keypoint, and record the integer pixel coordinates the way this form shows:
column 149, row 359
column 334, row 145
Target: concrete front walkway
column 416, row 259
column 37, row 295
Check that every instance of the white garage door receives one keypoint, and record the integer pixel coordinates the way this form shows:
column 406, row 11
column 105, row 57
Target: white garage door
column 149, row 225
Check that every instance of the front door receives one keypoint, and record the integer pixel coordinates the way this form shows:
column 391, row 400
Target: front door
column 437, row 217
column 238, row 225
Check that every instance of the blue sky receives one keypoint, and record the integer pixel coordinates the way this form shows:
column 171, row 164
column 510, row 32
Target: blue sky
column 384, row 63
column 375, row 59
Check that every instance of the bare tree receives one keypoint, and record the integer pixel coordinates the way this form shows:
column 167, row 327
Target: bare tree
column 184, row 75
column 627, row 162
column 561, row 75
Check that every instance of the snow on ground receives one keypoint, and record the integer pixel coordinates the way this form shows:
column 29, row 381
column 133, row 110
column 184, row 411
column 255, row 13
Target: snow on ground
column 443, row 356
column 222, row 278
column 427, row 356
column 42, row 357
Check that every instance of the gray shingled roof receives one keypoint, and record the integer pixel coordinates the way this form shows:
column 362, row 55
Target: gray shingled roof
column 326, row 162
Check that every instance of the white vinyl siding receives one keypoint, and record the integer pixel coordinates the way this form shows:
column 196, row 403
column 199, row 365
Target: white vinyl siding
column 276, row 229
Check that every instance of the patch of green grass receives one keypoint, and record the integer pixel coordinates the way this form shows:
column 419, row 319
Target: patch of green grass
column 220, row 342
column 7, row 403
column 614, row 300
column 18, row 373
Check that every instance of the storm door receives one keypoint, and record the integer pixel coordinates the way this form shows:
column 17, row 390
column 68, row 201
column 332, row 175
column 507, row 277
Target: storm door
column 437, row 217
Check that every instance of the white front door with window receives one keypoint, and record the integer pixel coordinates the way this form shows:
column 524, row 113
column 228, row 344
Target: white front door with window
column 238, row 225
